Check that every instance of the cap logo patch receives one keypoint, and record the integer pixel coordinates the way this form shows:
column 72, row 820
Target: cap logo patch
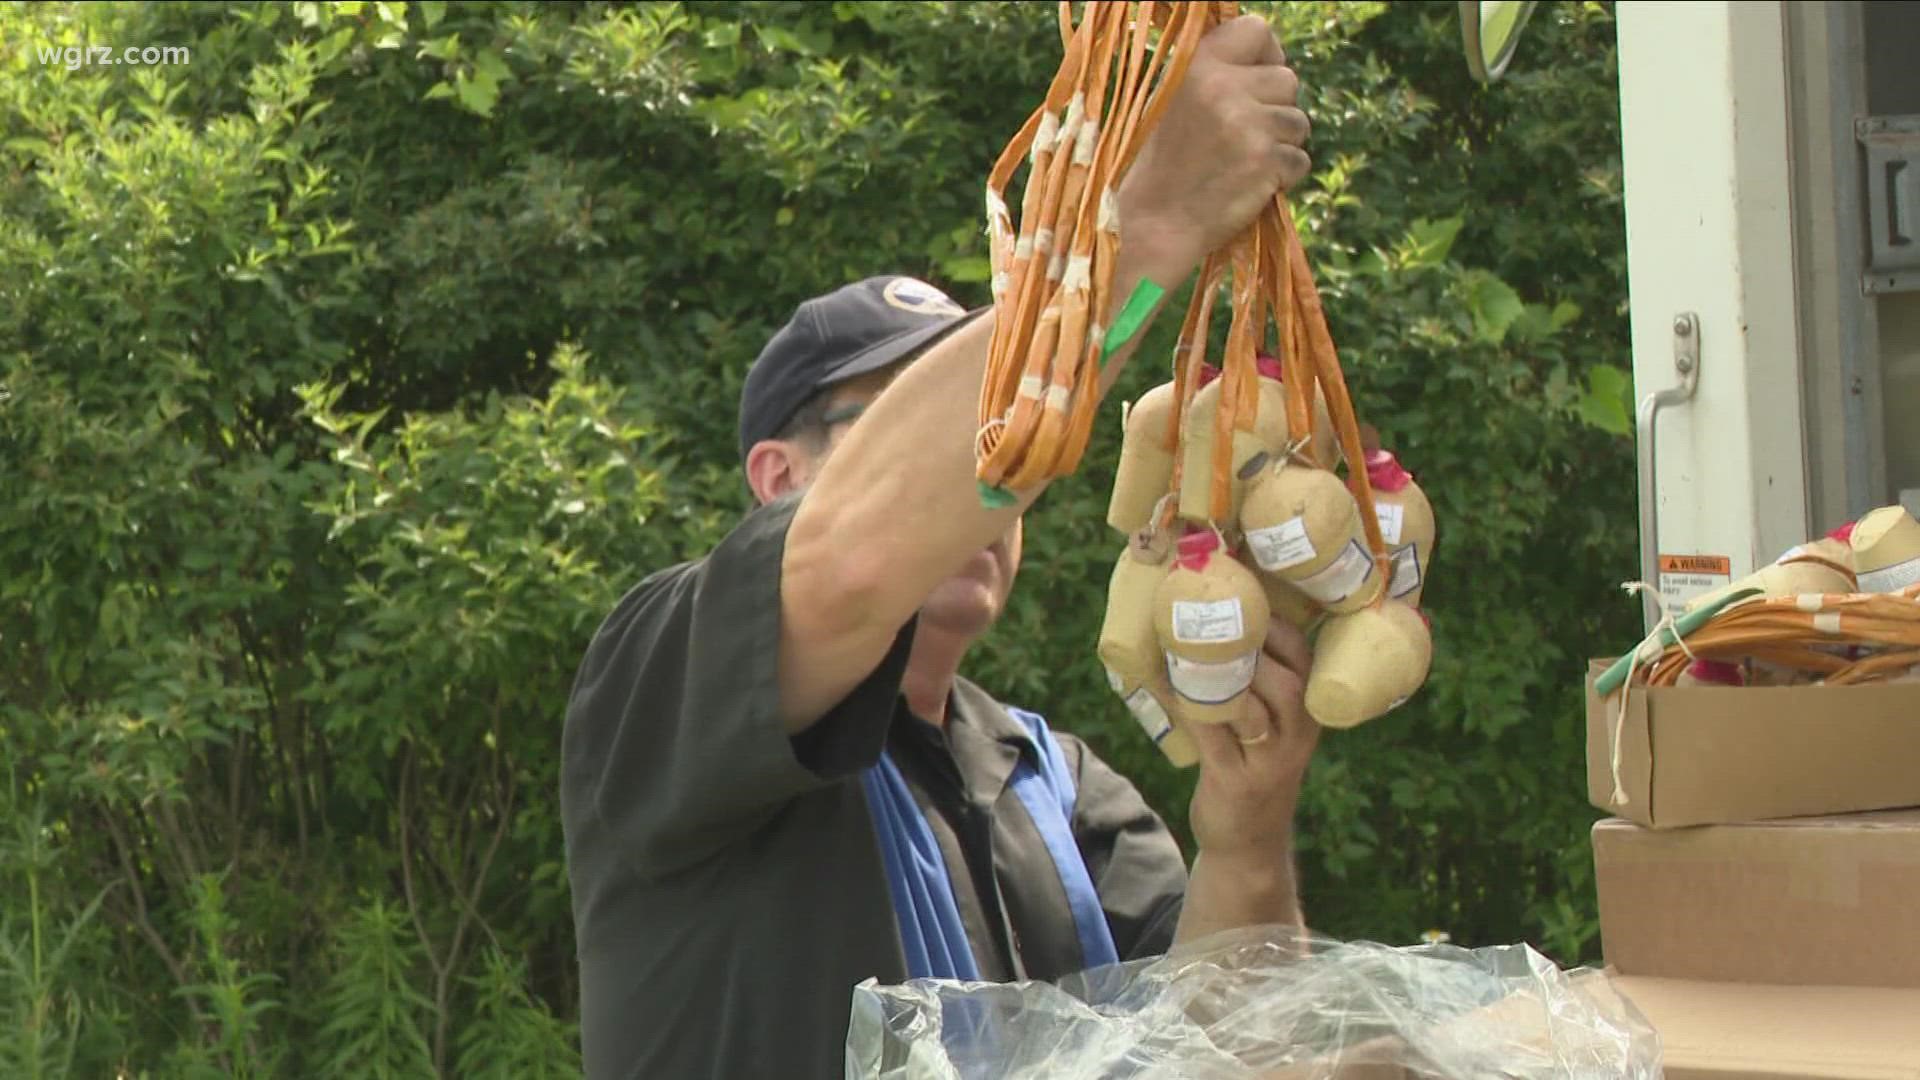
column 910, row 294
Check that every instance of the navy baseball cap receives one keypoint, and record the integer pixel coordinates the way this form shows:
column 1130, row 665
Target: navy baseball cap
column 853, row 330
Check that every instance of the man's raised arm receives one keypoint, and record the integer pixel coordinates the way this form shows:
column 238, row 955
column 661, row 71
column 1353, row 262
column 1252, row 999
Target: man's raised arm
column 895, row 509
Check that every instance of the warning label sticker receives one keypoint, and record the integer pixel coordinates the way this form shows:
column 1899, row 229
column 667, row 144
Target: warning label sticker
column 1683, row 577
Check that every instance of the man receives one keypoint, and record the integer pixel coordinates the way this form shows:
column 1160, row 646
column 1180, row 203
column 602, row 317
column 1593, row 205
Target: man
column 775, row 783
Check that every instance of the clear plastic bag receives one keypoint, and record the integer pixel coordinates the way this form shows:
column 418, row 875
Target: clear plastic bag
column 1264, row 1003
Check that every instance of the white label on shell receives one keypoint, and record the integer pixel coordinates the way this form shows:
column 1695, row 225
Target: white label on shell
column 1393, row 518
column 1406, row 571
column 1340, row 578
column 1205, row 622
column 1277, row 547
column 1146, row 709
column 1891, row 578
column 1210, row 684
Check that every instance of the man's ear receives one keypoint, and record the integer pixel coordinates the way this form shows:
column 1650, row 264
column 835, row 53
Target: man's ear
column 776, row 467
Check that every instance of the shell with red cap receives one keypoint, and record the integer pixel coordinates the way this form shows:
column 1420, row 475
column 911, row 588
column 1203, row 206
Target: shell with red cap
column 1210, row 615
column 1406, row 524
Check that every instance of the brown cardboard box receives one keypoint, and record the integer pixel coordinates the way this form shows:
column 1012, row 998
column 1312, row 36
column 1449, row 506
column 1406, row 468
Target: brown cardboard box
column 1745, row 1031
column 1831, row 900
column 1699, row 755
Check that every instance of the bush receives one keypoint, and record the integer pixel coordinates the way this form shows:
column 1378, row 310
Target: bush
column 352, row 371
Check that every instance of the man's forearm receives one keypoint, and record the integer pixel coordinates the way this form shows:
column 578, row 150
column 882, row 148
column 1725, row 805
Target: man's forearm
column 1229, row 892
column 896, row 509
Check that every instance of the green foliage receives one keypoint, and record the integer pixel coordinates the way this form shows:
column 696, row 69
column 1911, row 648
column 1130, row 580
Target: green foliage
column 375, row 1015
column 351, row 372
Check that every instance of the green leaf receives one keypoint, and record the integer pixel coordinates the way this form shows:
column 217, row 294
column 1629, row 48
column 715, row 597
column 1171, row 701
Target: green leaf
column 30, row 144
column 1607, row 403
column 1493, row 304
column 782, row 39
column 441, row 89
column 967, row 269
column 442, row 48
column 488, row 64
column 334, row 44
column 477, row 93
column 433, row 11
column 1429, row 242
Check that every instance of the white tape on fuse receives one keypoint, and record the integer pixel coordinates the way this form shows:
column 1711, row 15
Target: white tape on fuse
column 1076, row 112
column 1079, row 275
column 1084, row 143
column 1048, row 134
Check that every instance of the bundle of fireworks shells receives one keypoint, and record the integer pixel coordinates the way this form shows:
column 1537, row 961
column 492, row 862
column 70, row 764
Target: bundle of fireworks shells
column 1191, row 594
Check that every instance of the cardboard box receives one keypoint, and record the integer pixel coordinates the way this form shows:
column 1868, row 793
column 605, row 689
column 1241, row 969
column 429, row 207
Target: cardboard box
column 1699, row 755
column 1745, row 1031
column 1832, row 900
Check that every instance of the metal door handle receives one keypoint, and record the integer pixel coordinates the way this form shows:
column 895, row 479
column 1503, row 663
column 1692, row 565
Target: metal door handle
column 1686, row 361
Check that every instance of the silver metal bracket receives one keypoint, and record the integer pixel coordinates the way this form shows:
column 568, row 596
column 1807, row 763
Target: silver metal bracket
column 1892, row 170
column 1686, row 364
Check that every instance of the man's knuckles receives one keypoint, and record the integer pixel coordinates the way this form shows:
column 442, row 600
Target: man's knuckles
column 1247, row 39
column 1271, row 85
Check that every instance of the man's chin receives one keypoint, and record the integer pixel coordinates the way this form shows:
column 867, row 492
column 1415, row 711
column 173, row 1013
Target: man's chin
column 961, row 605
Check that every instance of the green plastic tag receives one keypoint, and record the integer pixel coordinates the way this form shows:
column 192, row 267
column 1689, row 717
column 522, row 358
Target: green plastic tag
column 1132, row 315
column 995, row 498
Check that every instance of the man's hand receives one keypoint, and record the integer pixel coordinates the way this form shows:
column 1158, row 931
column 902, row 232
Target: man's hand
column 1251, row 770
column 1232, row 136
column 1242, row 813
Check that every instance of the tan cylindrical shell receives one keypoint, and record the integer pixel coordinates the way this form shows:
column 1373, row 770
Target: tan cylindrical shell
column 1326, row 444
column 1302, row 524
column 1144, row 474
column 1406, row 524
column 1761, row 673
column 1726, row 675
column 1152, row 703
column 1886, row 550
column 1366, row 663
column 1210, row 615
column 1269, row 434
column 1288, row 602
column 1837, row 552
column 1129, row 644
column 1783, row 579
